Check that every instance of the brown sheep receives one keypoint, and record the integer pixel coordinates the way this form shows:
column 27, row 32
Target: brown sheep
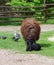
column 30, row 30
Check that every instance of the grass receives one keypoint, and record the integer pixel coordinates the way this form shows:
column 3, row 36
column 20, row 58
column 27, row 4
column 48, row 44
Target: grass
column 50, row 21
column 13, row 21
column 19, row 47
column 10, row 21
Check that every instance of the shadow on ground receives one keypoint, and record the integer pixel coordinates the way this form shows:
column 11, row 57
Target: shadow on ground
column 45, row 45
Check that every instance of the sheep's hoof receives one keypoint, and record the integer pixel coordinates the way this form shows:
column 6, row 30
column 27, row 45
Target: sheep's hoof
column 28, row 49
column 36, row 47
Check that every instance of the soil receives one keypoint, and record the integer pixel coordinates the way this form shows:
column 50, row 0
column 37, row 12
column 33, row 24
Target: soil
column 51, row 38
column 8, row 57
column 16, row 28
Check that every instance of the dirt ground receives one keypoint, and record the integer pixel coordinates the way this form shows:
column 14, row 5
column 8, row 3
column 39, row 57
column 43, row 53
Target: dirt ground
column 16, row 28
column 8, row 57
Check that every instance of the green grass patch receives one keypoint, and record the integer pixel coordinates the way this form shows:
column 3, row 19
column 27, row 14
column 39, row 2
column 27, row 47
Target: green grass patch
column 50, row 21
column 10, row 21
column 18, row 21
column 47, row 46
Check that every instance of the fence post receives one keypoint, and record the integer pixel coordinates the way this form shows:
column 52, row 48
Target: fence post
column 44, row 11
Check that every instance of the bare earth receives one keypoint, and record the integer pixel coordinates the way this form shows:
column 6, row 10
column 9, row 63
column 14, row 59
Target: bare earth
column 16, row 28
column 51, row 38
column 8, row 57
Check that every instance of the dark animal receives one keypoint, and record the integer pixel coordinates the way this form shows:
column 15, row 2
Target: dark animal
column 16, row 36
column 4, row 37
column 30, row 30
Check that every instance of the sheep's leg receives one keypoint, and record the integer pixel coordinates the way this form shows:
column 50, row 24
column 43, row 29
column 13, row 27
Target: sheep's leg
column 29, row 44
column 34, row 43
